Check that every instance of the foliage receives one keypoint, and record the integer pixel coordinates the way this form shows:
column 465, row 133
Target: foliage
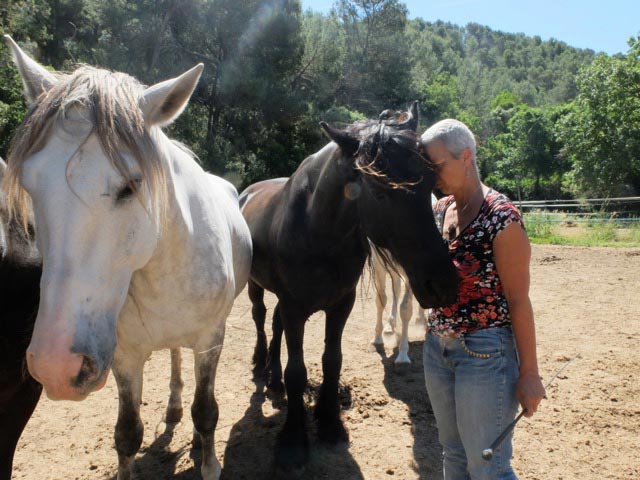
column 272, row 73
column 601, row 133
column 565, row 229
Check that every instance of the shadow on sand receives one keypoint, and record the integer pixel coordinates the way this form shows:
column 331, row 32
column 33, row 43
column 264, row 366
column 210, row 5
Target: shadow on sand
column 250, row 451
column 157, row 462
column 407, row 385
column 249, row 454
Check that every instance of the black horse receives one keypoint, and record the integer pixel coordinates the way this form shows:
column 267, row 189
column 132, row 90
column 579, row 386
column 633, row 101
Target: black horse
column 310, row 245
column 20, row 270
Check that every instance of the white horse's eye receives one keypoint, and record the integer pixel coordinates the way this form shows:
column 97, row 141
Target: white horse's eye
column 128, row 190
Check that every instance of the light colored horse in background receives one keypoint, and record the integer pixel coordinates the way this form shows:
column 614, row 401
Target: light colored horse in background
column 142, row 249
column 395, row 271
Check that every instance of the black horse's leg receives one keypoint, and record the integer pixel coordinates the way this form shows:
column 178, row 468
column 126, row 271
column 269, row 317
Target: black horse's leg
column 292, row 447
column 14, row 415
column 127, row 370
column 258, row 312
column 327, row 412
column 204, row 410
column 274, row 366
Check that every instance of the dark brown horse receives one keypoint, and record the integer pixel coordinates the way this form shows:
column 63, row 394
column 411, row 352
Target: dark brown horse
column 310, row 245
column 20, row 269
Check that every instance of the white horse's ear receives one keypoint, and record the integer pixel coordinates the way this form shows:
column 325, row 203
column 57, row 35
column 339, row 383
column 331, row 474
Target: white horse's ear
column 163, row 102
column 35, row 77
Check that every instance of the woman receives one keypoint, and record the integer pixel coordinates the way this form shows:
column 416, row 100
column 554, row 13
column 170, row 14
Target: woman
column 480, row 353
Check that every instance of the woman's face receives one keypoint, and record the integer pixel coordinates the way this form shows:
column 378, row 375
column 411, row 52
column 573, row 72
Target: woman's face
column 451, row 171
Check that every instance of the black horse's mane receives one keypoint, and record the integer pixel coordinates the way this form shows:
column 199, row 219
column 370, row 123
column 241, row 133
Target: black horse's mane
column 383, row 144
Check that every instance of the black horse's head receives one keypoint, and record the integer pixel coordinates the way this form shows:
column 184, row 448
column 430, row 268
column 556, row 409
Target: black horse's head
column 394, row 202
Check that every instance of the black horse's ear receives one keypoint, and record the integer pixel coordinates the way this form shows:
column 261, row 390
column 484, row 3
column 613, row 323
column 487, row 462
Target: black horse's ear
column 413, row 119
column 345, row 141
column 387, row 114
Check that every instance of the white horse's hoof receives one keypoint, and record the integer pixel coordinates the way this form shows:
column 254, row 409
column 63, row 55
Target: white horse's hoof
column 377, row 340
column 211, row 472
column 388, row 328
column 402, row 358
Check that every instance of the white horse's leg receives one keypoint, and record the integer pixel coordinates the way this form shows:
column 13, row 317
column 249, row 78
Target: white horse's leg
column 204, row 410
column 406, row 308
column 421, row 318
column 127, row 371
column 174, row 408
column 379, row 282
column 395, row 292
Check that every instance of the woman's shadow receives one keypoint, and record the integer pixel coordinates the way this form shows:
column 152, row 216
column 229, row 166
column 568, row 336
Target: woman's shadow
column 407, row 384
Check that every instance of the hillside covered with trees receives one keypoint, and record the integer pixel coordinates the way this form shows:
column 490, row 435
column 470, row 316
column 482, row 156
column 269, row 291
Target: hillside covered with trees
column 551, row 120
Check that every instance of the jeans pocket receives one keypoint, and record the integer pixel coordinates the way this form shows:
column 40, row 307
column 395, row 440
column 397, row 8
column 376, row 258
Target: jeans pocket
column 482, row 344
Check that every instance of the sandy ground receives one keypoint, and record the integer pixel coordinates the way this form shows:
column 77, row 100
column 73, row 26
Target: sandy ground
column 586, row 301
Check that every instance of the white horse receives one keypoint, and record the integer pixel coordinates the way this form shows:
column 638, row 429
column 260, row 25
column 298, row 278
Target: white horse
column 380, row 269
column 142, row 249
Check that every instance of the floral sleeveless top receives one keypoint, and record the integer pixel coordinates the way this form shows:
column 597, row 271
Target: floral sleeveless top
column 481, row 302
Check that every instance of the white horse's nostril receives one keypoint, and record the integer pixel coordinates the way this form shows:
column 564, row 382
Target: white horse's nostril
column 88, row 372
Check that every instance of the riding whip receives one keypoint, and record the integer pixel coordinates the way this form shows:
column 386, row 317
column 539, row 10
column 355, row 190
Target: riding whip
column 487, row 453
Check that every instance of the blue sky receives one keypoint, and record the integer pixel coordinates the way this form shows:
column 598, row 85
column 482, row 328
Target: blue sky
column 603, row 26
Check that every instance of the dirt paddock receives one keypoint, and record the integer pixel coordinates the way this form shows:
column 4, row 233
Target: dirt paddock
column 587, row 301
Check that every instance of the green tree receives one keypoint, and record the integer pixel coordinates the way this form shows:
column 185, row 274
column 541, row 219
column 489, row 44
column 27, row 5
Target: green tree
column 376, row 66
column 601, row 134
column 27, row 22
column 525, row 159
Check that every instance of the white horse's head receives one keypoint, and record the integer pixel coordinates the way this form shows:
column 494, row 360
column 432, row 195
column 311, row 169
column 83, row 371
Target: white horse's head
column 88, row 157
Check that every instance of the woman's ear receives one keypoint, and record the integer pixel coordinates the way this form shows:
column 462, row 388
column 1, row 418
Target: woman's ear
column 467, row 158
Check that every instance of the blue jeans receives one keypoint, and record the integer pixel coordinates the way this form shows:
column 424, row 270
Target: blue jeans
column 473, row 400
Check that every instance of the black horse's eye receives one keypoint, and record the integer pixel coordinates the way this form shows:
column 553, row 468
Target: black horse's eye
column 378, row 195
column 128, row 190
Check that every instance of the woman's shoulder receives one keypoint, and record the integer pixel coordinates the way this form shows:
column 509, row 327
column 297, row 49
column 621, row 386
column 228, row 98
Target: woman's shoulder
column 442, row 203
column 501, row 211
column 499, row 202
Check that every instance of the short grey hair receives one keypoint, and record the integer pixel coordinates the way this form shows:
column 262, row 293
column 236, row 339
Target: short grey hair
column 454, row 134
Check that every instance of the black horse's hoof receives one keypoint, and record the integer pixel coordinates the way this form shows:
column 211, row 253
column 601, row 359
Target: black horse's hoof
column 290, row 473
column 333, row 432
column 259, row 359
column 292, row 456
column 275, row 387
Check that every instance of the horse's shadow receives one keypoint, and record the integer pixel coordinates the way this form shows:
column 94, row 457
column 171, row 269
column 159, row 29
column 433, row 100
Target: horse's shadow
column 158, row 462
column 250, row 452
column 407, row 384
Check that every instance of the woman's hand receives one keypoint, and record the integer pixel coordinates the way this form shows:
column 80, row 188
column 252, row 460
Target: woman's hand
column 529, row 392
